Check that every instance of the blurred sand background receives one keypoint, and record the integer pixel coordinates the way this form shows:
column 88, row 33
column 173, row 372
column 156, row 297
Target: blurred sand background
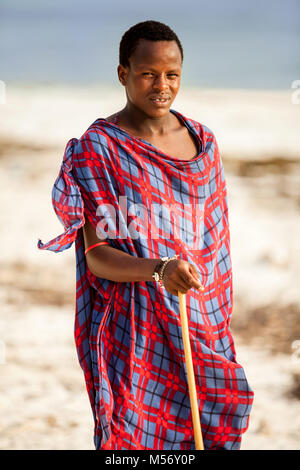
column 44, row 404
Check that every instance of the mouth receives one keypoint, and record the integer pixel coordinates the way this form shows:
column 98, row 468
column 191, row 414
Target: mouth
column 160, row 101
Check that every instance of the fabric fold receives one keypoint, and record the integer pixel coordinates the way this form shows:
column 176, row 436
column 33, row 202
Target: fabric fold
column 67, row 203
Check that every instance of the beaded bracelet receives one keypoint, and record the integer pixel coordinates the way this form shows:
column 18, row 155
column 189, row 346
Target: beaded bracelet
column 162, row 270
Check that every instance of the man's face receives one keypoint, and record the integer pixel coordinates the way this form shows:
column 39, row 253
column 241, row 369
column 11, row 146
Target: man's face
column 153, row 78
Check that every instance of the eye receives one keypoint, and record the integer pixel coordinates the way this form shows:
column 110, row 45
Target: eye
column 147, row 73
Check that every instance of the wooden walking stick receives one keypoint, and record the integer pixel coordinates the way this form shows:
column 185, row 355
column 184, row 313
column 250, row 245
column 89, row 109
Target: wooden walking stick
column 190, row 372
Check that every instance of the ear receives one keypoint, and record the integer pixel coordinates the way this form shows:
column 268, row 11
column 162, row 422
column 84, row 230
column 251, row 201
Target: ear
column 122, row 74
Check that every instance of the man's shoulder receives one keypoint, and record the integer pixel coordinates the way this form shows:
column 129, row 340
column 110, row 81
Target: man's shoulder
column 99, row 132
column 198, row 126
column 98, row 126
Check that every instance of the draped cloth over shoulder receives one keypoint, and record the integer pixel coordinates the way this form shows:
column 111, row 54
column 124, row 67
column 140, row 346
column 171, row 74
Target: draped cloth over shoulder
column 128, row 334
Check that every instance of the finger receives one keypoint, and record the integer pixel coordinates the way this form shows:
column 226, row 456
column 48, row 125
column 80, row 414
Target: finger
column 181, row 286
column 194, row 272
column 177, row 286
column 190, row 281
column 172, row 291
column 196, row 276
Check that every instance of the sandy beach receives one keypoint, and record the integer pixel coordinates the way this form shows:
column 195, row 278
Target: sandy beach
column 44, row 404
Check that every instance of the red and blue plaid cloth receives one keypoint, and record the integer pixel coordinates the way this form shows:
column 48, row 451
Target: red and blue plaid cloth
column 128, row 334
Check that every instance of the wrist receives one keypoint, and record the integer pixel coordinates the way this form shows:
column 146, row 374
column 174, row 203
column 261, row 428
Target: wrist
column 145, row 268
column 159, row 272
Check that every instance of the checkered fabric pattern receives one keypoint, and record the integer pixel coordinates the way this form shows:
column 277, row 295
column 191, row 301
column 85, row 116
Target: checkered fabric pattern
column 128, row 334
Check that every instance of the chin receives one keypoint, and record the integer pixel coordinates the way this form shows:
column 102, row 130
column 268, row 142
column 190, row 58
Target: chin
column 157, row 113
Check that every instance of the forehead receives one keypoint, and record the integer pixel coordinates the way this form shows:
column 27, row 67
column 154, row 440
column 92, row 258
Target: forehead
column 153, row 53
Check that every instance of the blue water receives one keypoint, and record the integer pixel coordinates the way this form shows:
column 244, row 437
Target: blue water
column 229, row 43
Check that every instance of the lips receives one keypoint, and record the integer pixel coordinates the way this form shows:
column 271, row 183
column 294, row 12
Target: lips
column 160, row 99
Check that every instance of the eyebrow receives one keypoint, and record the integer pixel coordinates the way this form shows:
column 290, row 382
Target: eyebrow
column 153, row 70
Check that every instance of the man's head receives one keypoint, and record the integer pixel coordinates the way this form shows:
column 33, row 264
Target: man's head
column 151, row 57
column 149, row 30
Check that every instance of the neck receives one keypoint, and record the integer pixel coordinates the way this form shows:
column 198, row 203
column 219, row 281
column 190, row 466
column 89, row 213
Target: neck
column 134, row 118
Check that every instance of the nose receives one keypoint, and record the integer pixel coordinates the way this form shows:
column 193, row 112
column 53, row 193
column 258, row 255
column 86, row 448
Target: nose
column 160, row 83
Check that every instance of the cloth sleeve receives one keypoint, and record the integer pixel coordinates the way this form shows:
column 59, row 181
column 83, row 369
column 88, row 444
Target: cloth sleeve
column 68, row 204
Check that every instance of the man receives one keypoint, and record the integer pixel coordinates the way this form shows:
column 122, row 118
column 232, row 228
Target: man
column 149, row 183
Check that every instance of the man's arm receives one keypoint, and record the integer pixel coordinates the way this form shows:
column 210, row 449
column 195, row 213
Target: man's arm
column 110, row 263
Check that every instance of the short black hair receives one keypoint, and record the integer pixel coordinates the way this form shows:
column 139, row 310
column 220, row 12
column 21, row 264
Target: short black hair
column 150, row 30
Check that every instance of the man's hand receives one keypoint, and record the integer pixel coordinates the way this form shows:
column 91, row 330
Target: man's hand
column 180, row 275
